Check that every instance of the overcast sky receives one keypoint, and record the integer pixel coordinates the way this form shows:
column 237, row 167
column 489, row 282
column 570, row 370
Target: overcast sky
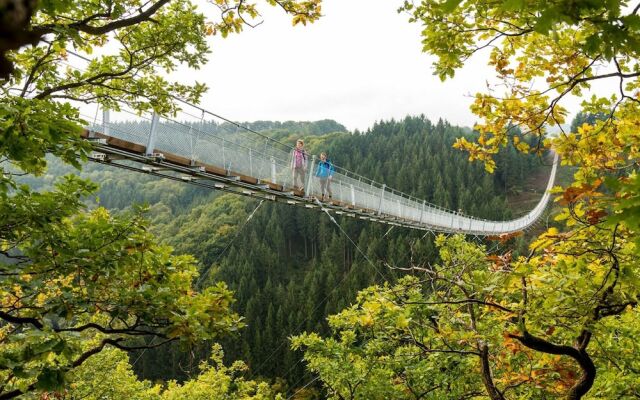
column 359, row 63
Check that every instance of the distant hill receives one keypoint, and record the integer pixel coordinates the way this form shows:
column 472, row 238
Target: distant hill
column 290, row 131
column 315, row 128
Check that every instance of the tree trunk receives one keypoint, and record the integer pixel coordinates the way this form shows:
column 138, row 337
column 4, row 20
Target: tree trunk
column 487, row 380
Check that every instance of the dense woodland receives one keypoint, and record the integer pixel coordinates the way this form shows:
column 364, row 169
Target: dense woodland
column 289, row 267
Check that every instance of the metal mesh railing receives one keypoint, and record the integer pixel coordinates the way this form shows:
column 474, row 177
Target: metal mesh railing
column 192, row 134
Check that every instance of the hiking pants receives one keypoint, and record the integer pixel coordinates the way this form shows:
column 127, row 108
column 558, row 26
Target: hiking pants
column 298, row 175
column 325, row 187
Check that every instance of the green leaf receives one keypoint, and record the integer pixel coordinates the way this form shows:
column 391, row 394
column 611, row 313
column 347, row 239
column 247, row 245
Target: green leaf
column 545, row 21
column 50, row 379
column 450, row 5
column 512, row 5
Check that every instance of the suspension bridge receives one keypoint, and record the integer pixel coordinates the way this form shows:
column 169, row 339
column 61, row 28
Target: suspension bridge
column 249, row 163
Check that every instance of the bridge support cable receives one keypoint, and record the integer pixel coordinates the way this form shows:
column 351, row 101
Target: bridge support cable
column 388, row 231
column 264, row 166
column 303, row 322
column 243, row 154
column 326, row 211
column 205, row 273
column 344, row 278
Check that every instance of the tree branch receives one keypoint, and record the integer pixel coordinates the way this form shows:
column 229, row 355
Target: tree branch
column 85, row 356
column 83, row 25
column 34, row 69
column 427, row 349
column 132, row 331
column 582, row 386
column 463, row 301
column 99, row 79
column 21, row 320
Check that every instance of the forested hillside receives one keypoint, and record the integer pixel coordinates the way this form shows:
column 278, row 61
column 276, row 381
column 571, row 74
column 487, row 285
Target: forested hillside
column 291, row 267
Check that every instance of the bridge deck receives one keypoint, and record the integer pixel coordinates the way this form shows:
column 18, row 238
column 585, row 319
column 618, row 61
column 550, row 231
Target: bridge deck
column 273, row 182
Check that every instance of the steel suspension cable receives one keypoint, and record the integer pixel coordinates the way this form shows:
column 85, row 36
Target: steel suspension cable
column 304, row 387
column 272, row 140
column 237, row 234
column 349, row 237
column 344, row 278
column 201, row 278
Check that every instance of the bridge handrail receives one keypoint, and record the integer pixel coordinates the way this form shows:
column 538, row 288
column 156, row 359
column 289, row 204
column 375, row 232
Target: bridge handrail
column 271, row 162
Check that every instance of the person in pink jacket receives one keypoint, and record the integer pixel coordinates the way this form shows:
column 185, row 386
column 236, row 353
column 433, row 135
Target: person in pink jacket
column 299, row 164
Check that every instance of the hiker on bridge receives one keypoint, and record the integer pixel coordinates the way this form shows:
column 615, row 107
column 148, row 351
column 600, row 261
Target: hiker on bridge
column 324, row 173
column 299, row 164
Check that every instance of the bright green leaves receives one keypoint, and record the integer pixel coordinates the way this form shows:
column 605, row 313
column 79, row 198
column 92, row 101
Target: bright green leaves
column 28, row 216
column 34, row 358
column 217, row 381
column 513, row 5
column 32, row 128
column 73, row 279
column 109, row 375
column 412, row 337
column 618, row 336
column 427, row 331
column 626, row 207
column 450, row 5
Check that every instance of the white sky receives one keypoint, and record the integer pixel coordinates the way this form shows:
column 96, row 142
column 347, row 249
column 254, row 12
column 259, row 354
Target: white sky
column 359, row 63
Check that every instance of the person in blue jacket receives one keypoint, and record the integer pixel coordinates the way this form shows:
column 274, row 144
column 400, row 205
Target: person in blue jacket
column 324, row 173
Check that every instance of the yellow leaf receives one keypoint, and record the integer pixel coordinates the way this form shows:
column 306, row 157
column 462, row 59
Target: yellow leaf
column 402, row 322
column 366, row 320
